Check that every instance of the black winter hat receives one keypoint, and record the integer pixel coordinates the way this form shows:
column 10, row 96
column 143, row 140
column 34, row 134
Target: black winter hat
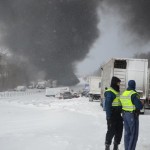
column 132, row 84
column 115, row 80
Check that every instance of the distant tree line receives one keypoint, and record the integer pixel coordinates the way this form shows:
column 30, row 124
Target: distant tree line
column 11, row 74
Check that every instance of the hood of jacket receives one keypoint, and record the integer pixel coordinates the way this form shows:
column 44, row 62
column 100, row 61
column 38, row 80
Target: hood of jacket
column 114, row 82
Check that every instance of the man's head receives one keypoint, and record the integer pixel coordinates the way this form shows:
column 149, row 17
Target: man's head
column 115, row 83
column 132, row 84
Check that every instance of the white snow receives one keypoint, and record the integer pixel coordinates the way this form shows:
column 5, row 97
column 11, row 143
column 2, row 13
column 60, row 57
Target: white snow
column 36, row 122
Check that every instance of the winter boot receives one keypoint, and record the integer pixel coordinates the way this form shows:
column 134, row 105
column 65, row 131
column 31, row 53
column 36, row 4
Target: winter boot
column 115, row 147
column 107, row 147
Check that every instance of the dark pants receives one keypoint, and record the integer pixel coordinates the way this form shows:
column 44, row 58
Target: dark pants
column 131, row 126
column 114, row 129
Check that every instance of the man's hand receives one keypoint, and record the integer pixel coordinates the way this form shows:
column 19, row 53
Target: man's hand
column 142, row 101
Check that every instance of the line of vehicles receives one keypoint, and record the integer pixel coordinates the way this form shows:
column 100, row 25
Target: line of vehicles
column 126, row 69
column 41, row 84
column 61, row 93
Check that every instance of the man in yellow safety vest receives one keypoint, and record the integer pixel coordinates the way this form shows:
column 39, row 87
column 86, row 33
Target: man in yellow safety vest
column 131, row 106
column 113, row 114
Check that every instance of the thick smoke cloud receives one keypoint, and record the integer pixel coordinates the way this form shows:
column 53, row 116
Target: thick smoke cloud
column 51, row 34
column 136, row 13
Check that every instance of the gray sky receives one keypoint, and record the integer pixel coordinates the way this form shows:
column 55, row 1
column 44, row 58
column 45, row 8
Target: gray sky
column 114, row 41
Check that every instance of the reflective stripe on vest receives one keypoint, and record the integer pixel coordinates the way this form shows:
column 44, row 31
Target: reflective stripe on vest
column 126, row 101
column 116, row 101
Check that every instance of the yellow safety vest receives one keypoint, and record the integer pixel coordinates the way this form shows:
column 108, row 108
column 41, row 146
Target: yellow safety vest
column 116, row 101
column 126, row 101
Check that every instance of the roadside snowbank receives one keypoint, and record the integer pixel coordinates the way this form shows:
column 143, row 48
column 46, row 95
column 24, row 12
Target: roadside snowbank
column 36, row 122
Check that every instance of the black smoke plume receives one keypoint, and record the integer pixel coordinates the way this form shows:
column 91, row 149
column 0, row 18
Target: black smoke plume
column 51, row 34
column 137, row 16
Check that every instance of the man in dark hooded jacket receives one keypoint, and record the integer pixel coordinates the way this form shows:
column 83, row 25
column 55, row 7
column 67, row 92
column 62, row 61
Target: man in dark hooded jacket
column 113, row 114
column 131, row 106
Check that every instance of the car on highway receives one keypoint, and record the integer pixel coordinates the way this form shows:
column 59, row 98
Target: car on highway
column 85, row 94
column 20, row 88
column 67, row 95
column 75, row 95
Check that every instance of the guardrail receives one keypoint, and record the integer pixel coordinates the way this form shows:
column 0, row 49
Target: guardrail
column 8, row 94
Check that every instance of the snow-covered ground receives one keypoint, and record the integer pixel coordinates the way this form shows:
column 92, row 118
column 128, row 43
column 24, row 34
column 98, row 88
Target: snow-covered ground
column 36, row 122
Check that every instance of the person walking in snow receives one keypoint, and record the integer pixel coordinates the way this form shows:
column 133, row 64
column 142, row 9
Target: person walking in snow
column 131, row 106
column 113, row 114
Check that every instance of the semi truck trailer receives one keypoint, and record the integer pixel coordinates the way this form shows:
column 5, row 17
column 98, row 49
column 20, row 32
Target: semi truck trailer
column 94, row 88
column 126, row 69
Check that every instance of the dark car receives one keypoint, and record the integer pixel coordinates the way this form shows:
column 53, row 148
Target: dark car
column 67, row 95
column 85, row 93
column 75, row 95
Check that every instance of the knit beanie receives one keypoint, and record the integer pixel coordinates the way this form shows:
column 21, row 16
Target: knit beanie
column 132, row 84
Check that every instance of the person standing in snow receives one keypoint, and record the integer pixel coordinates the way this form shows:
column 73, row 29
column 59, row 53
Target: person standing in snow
column 113, row 114
column 131, row 106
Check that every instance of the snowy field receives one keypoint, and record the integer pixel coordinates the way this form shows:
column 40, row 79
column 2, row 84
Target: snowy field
column 36, row 122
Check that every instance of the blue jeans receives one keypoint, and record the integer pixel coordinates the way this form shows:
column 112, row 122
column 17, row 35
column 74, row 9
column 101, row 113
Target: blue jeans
column 131, row 126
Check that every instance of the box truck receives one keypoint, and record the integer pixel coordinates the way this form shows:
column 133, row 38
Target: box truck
column 56, row 92
column 147, row 102
column 94, row 87
column 126, row 69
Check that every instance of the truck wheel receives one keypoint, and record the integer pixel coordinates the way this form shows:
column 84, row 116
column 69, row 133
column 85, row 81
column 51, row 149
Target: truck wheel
column 90, row 98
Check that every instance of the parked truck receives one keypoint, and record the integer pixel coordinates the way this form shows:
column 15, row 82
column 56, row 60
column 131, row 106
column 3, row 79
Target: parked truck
column 126, row 69
column 56, row 92
column 147, row 102
column 94, row 88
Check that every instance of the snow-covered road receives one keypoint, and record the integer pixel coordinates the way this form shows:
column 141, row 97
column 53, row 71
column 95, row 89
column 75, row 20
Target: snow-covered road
column 36, row 122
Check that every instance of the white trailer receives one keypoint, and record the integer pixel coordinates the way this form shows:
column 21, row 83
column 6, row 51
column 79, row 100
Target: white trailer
column 94, row 88
column 126, row 69
column 147, row 102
